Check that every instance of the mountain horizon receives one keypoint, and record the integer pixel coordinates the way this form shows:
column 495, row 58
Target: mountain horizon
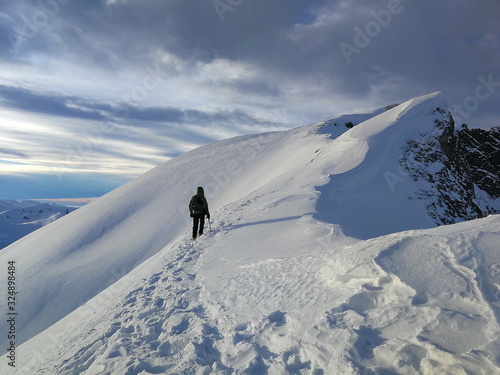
column 19, row 218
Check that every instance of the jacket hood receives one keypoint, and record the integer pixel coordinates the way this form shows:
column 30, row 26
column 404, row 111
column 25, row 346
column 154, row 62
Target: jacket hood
column 200, row 191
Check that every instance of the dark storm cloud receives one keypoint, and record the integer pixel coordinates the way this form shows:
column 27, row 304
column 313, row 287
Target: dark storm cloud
column 398, row 48
column 420, row 40
column 124, row 32
column 146, row 80
column 254, row 87
column 79, row 108
column 418, row 46
column 190, row 116
column 19, row 98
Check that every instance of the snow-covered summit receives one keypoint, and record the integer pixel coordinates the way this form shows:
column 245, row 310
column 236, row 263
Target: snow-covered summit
column 321, row 260
column 18, row 218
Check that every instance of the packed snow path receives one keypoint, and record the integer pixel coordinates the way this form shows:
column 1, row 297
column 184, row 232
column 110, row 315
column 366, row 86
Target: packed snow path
column 157, row 320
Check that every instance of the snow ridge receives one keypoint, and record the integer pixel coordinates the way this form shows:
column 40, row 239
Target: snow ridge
column 314, row 266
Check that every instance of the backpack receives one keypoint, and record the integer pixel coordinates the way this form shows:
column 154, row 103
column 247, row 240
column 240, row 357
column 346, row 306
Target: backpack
column 197, row 204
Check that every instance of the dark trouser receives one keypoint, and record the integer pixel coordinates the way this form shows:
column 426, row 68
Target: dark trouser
column 198, row 220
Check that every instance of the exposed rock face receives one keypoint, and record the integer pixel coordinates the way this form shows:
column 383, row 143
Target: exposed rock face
column 458, row 171
column 481, row 150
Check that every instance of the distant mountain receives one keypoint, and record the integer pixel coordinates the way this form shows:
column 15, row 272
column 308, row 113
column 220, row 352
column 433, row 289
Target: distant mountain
column 331, row 252
column 19, row 218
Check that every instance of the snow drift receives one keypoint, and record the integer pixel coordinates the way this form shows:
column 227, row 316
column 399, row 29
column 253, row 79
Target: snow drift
column 319, row 262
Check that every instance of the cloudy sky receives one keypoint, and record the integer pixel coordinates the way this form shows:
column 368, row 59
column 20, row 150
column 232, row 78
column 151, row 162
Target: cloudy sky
column 96, row 92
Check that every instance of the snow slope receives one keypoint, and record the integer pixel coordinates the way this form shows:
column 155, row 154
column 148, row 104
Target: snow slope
column 76, row 257
column 294, row 278
column 17, row 219
column 376, row 306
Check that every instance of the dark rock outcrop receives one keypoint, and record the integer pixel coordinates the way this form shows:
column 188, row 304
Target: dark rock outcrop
column 458, row 170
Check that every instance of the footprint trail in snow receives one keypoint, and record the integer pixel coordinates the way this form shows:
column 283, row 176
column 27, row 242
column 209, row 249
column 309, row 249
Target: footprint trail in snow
column 158, row 325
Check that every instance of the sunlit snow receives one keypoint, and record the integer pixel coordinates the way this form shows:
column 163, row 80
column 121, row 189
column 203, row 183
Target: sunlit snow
column 317, row 263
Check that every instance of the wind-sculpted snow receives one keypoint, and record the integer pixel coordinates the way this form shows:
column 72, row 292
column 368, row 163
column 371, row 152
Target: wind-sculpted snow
column 318, row 263
column 407, row 159
column 463, row 296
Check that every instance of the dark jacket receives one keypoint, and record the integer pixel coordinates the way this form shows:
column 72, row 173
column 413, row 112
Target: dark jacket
column 198, row 204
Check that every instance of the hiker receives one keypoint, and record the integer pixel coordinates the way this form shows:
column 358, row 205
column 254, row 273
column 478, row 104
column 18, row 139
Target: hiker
column 198, row 208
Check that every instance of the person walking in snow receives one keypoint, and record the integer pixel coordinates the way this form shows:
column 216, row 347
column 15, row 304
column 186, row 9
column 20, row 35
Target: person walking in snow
column 198, row 209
